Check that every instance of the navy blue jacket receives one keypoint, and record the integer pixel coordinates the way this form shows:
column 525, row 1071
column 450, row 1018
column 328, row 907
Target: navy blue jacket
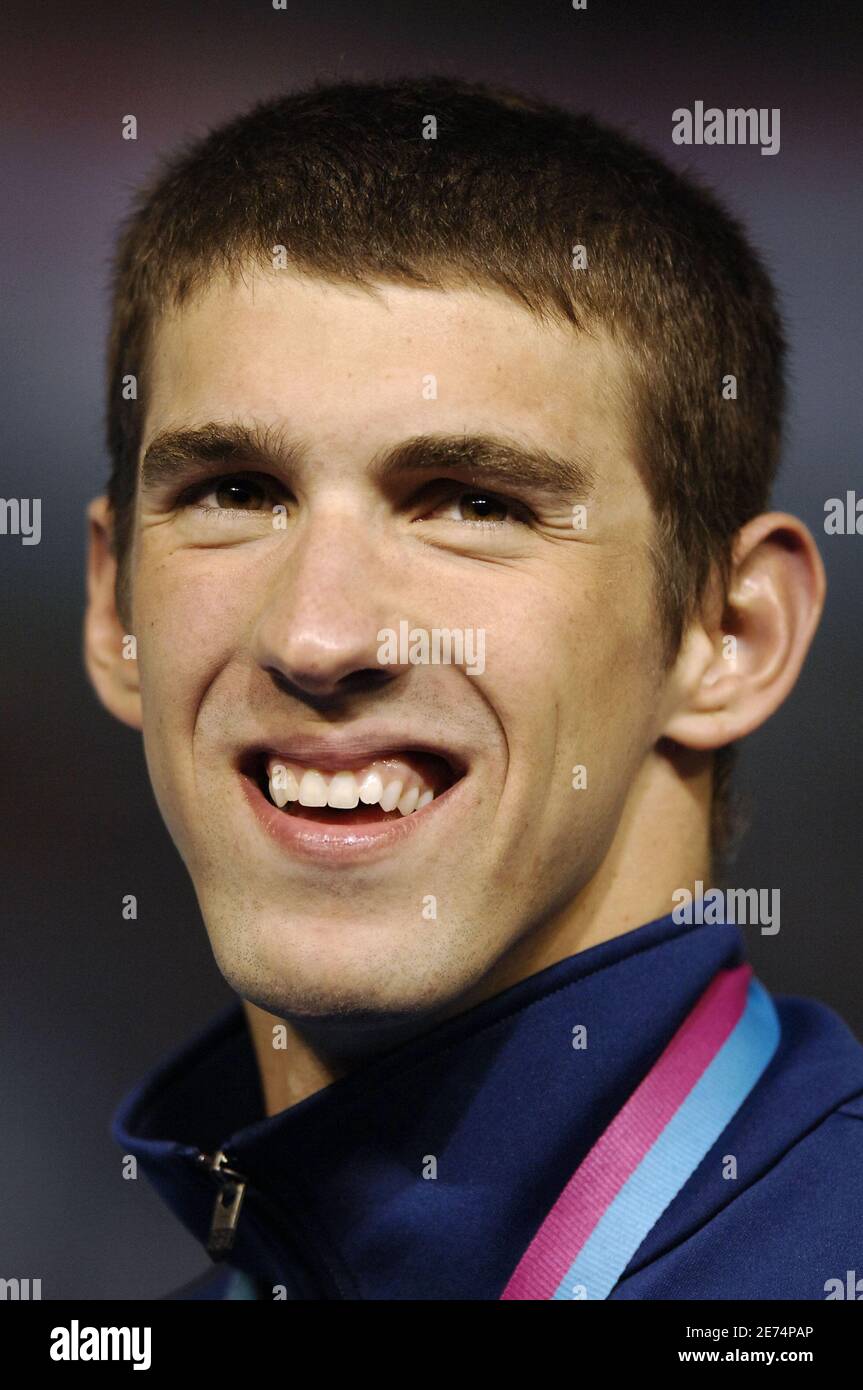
column 338, row 1203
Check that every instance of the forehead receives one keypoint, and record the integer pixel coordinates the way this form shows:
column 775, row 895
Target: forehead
column 350, row 367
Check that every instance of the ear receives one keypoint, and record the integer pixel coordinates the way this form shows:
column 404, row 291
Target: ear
column 110, row 653
column 738, row 664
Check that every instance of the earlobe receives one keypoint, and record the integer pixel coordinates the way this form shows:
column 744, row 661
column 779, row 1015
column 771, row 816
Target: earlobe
column 733, row 673
column 110, row 651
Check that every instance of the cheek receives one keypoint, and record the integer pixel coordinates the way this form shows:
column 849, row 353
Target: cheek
column 612, row 690
column 189, row 620
column 187, row 632
column 580, row 676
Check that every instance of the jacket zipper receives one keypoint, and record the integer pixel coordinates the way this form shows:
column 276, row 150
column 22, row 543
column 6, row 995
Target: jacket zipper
column 226, row 1208
column 226, row 1212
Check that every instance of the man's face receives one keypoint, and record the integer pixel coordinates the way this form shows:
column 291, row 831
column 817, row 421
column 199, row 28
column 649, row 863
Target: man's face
column 259, row 631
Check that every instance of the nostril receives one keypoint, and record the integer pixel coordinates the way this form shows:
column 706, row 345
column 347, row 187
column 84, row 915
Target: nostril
column 324, row 693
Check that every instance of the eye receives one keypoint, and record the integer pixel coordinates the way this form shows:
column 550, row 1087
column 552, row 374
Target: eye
column 236, row 492
column 240, row 493
column 480, row 508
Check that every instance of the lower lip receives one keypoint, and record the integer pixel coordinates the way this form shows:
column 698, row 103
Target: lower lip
column 344, row 844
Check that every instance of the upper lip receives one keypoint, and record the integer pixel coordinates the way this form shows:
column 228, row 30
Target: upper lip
column 351, row 750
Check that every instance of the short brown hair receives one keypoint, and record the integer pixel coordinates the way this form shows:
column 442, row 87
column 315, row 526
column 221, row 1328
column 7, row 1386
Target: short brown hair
column 344, row 177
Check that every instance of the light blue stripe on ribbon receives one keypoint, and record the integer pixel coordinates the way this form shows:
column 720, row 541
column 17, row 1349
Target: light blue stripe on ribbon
column 673, row 1157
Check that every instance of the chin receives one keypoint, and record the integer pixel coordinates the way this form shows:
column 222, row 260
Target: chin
column 356, row 971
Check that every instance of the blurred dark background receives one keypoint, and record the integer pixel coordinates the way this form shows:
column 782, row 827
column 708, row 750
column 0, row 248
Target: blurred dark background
column 90, row 1001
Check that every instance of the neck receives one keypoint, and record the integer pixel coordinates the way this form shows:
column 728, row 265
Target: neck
column 662, row 844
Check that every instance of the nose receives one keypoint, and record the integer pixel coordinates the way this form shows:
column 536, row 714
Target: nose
column 317, row 635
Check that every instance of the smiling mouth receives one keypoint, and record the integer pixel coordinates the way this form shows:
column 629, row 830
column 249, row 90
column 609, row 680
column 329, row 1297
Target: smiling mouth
column 388, row 787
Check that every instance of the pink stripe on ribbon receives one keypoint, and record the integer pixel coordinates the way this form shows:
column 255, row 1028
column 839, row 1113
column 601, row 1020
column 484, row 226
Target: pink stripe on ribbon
column 622, row 1146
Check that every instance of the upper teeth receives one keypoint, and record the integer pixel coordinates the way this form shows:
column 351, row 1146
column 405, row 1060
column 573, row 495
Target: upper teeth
column 389, row 782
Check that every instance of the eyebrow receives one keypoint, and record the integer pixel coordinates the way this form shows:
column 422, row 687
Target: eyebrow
column 491, row 458
column 172, row 453
column 486, row 458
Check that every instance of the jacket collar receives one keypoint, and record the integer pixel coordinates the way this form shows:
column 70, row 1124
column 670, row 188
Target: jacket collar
column 425, row 1172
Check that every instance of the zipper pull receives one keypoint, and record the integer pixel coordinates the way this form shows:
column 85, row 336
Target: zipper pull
column 226, row 1210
